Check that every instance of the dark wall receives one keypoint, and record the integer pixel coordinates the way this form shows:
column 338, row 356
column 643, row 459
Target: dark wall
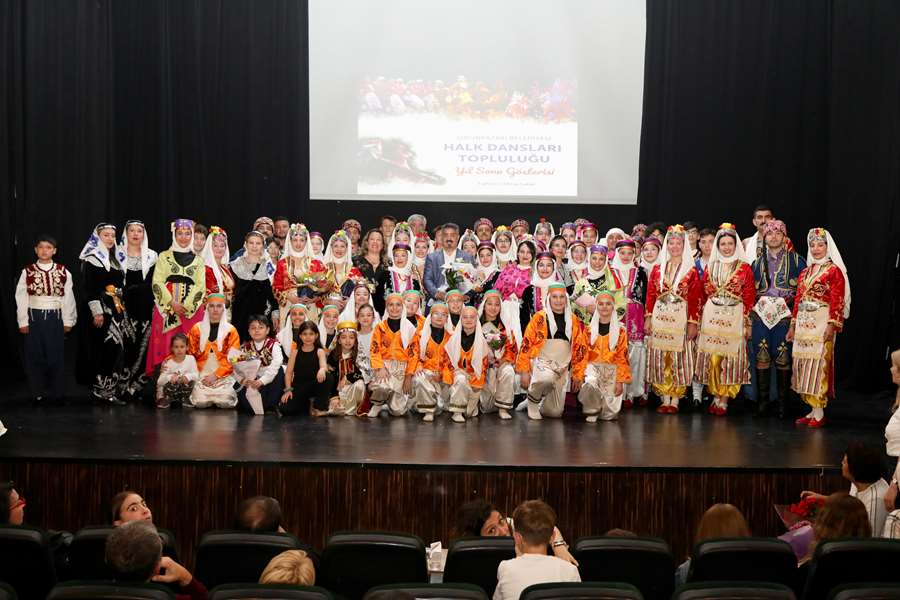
column 161, row 108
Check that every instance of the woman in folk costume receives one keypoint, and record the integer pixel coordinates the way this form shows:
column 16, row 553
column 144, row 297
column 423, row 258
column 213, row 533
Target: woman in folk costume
column 219, row 278
column 179, row 292
column 546, row 354
column 820, row 309
column 600, row 278
column 350, row 387
column 650, row 250
column 316, row 247
column 730, row 293
column 252, row 288
column 103, row 364
column 512, row 283
column 362, row 295
column 137, row 259
column 613, row 237
column 468, row 243
column 634, row 292
column 391, row 352
column 421, row 248
column 543, row 232
column 500, row 381
column 468, row 354
column 400, row 277
column 339, row 263
column 402, row 234
column 430, row 366
column 486, row 271
column 674, row 298
column 587, row 233
column 577, row 264
column 289, row 335
column 603, row 370
column 559, row 249
column 289, row 281
column 568, row 231
column 504, row 247
column 213, row 342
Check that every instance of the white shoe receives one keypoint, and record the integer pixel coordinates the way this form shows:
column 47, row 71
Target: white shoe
column 591, row 419
column 458, row 418
column 374, row 411
column 428, row 418
column 534, row 410
column 504, row 414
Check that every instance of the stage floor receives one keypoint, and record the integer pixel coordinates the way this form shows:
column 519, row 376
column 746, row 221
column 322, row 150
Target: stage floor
column 640, row 439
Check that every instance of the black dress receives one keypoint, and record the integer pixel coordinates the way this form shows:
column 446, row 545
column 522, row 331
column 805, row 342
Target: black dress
column 138, row 297
column 306, row 388
column 376, row 276
column 252, row 295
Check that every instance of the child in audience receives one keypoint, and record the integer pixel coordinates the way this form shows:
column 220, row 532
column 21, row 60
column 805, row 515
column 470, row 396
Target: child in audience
column 535, row 522
column 307, row 382
column 342, row 362
column 264, row 389
column 291, row 567
column 391, row 348
column 177, row 375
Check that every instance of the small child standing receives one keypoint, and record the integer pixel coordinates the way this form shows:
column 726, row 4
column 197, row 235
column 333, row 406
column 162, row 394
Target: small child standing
column 45, row 310
column 534, row 527
column 343, row 362
column 177, row 374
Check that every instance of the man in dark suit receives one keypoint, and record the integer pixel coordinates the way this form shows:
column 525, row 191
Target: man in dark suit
column 435, row 281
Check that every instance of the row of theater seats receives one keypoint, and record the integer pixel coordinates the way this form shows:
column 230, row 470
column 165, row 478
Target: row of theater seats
column 354, row 563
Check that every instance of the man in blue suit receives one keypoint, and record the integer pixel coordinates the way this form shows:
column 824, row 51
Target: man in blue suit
column 435, row 282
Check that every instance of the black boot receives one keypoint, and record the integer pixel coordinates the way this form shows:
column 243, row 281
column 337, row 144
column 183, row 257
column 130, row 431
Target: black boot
column 783, row 378
column 762, row 392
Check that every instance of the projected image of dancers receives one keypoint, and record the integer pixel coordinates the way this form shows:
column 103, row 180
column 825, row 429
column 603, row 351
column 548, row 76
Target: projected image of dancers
column 381, row 159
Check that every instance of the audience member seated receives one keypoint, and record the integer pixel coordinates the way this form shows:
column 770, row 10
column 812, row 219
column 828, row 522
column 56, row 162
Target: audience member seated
column 260, row 514
column 863, row 467
column 616, row 532
column 892, row 521
column 719, row 521
column 481, row 518
column 291, row 567
column 843, row 516
column 128, row 506
column 134, row 553
column 14, row 503
column 534, row 530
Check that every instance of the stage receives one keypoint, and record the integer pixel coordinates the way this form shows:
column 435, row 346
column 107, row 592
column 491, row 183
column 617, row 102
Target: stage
column 654, row 474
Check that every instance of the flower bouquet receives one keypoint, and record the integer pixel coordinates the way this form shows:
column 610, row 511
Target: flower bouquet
column 808, row 508
column 460, row 275
column 496, row 339
column 316, row 278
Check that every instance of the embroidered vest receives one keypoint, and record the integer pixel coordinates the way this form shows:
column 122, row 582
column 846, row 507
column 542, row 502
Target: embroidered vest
column 45, row 283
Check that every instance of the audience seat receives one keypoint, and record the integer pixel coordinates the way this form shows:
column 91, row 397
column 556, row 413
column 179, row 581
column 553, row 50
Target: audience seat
column 241, row 556
column 645, row 563
column 87, row 552
column 353, row 563
column 734, row 590
column 475, row 561
column 451, row 591
column 866, row 591
column 581, row 591
column 97, row 590
column 26, row 563
column 840, row 562
column 251, row 591
column 7, row 592
column 744, row 559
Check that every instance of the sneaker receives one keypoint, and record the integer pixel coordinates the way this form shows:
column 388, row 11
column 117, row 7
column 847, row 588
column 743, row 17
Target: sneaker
column 504, row 414
column 428, row 418
column 374, row 411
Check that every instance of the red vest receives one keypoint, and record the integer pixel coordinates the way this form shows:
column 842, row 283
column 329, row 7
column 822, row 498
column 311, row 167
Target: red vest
column 45, row 283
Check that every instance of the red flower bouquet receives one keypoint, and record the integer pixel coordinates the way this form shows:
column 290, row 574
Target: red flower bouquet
column 808, row 508
column 316, row 278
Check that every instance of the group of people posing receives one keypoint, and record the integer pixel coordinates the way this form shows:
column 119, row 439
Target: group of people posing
column 395, row 320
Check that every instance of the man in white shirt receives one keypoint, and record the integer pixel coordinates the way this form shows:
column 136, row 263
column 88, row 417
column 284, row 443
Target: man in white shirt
column 534, row 525
column 435, row 280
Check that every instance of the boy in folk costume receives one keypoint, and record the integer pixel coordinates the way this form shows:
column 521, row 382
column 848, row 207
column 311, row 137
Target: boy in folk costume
column 390, row 356
column 821, row 307
column 45, row 311
column 430, row 366
column 212, row 342
column 603, row 369
column 546, row 354
column 468, row 354
column 671, row 322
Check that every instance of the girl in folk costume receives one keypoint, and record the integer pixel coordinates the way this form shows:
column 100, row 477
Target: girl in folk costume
column 587, row 233
column 543, row 232
column 328, row 326
column 820, row 309
column 634, row 292
column 468, row 354
column 500, row 381
column 599, row 278
column 339, row 263
column 402, row 234
column 420, row 254
column 429, row 365
column 468, row 243
column 455, row 302
column 179, row 291
column 213, row 342
column 546, row 354
column 674, row 297
column 412, row 304
column 365, row 321
column 613, row 237
column 289, row 281
column 400, row 277
column 504, row 247
column 544, row 274
column 103, row 363
column 568, row 231
column 603, row 370
column 219, row 278
column 252, row 288
column 486, row 271
column 290, row 333
column 261, row 389
column 577, row 265
column 730, row 292
column 308, row 384
column 650, row 250
column 177, row 375
column 391, row 351
column 362, row 295
column 137, row 259
column 316, row 247
column 512, row 283
column 350, row 386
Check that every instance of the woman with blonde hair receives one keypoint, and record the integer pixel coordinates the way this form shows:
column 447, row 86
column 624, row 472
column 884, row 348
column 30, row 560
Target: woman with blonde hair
column 292, row 567
column 892, row 432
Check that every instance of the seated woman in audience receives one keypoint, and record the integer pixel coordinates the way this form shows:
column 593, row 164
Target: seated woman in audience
column 843, row 516
column 291, row 567
column 862, row 466
column 720, row 520
column 129, row 506
column 259, row 514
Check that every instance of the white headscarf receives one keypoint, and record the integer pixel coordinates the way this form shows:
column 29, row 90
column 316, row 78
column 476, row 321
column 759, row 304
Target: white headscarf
column 401, row 226
column 503, row 318
column 425, row 333
column 407, row 329
column 468, row 236
column 509, row 255
column 834, row 255
column 323, row 333
column 728, row 229
column 615, row 327
column 613, row 231
column 223, row 329
column 542, row 283
column 95, row 248
column 148, row 256
column 543, row 225
column 619, row 265
column 176, row 247
column 406, row 269
column 479, row 345
column 209, row 257
column 484, row 273
column 663, row 260
column 551, row 320
column 349, row 312
column 583, row 268
column 286, row 335
column 295, row 230
column 310, row 253
column 329, row 255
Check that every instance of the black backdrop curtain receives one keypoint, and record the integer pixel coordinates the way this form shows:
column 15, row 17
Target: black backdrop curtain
column 161, row 108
